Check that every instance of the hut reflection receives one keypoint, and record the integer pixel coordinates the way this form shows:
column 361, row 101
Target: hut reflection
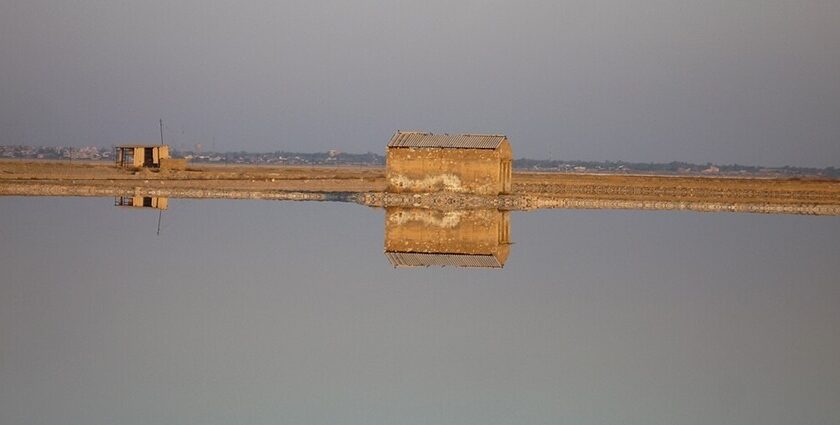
column 155, row 202
column 467, row 238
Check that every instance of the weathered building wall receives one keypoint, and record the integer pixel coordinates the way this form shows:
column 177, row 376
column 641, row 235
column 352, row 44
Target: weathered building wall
column 161, row 152
column 506, row 166
column 138, row 157
column 477, row 232
column 160, row 203
column 173, row 164
column 140, row 201
column 477, row 171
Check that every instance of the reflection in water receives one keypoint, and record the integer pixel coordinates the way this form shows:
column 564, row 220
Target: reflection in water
column 647, row 320
column 416, row 237
column 156, row 202
column 425, row 237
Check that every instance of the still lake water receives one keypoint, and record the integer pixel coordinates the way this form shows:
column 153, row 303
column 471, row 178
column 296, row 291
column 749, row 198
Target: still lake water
column 260, row 312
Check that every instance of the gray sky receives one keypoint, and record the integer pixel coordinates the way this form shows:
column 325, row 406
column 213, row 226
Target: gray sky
column 753, row 81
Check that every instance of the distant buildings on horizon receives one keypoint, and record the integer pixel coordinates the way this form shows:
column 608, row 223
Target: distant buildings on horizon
column 335, row 157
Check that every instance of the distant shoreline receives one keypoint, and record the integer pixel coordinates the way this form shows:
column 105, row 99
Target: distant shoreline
column 336, row 158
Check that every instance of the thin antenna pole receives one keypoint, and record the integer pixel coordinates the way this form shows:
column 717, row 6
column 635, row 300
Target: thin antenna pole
column 161, row 131
column 160, row 214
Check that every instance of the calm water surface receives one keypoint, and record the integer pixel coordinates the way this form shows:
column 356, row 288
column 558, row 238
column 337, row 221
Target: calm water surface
column 258, row 312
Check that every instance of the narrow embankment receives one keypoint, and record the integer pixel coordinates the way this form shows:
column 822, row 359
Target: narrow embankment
column 366, row 185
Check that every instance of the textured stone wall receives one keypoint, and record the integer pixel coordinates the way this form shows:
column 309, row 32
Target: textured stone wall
column 173, row 164
column 473, row 171
column 157, row 202
column 138, row 157
column 158, row 153
column 483, row 232
column 162, row 152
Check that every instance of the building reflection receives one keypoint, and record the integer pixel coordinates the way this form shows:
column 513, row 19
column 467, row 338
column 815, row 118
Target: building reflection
column 155, row 202
column 416, row 237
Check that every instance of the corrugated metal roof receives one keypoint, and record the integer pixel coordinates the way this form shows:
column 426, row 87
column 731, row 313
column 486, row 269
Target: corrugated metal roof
column 421, row 259
column 460, row 141
column 139, row 146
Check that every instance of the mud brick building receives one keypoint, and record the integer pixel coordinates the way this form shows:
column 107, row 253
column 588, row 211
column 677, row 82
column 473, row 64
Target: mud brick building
column 141, row 155
column 416, row 237
column 467, row 163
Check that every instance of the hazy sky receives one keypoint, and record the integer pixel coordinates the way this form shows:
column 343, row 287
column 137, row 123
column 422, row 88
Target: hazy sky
column 752, row 81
